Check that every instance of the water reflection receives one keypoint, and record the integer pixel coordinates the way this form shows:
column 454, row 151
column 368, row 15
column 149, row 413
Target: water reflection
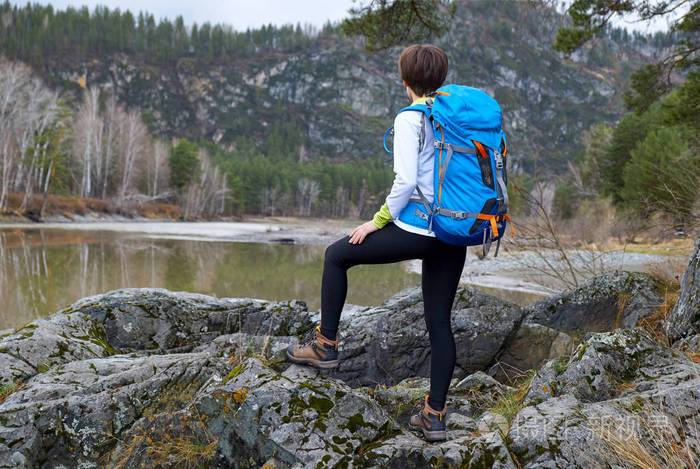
column 43, row 270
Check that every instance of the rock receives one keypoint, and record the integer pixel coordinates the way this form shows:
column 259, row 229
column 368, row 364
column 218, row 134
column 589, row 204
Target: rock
column 143, row 320
column 297, row 417
column 490, row 421
column 689, row 344
column 74, row 413
column 684, row 320
column 483, row 384
column 389, row 343
column 198, row 405
column 607, row 362
column 538, row 433
column 45, row 343
column 160, row 320
column 552, row 327
column 618, row 387
column 410, row 451
column 241, row 344
column 530, row 347
column 616, row 299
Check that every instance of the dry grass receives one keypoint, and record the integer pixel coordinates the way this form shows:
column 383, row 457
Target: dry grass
column 622, row 387
column 592, row 227
column 695, row 356
column 622, row 300
column 58, row 204
column 598, row 225
column 184, row 443
column 670, row 272
column 510, row 403
column 160, row 210
column 669, row 275
column 654, row 323
column 651, row 442
column 73, row 205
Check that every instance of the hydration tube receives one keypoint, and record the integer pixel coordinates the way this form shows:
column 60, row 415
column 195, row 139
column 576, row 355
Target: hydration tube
column 389, row 131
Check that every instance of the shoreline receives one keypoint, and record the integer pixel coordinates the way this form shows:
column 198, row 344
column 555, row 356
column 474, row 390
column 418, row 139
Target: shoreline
column 516, row 270
column 276, row 230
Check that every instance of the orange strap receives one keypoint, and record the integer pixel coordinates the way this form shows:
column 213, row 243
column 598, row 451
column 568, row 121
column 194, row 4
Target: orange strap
column 442, row 140
column 505, row 148
column 480, row 147
column 494, row 226
column 444, row 93
column 512, row 230
column 492, row 219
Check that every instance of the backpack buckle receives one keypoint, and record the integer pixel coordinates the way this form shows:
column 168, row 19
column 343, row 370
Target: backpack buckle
column 499, row 159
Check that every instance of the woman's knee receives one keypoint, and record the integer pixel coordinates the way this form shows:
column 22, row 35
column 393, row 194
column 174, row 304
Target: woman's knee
column 334, row 253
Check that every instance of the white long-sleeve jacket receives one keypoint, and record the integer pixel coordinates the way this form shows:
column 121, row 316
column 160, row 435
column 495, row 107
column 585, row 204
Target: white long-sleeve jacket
column 412, row 165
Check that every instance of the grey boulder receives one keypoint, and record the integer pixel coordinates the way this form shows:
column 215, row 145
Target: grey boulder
column 389, row 343
column 613, row 300
column 618, row 390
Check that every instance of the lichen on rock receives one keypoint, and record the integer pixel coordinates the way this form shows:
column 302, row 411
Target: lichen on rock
column 150, row 377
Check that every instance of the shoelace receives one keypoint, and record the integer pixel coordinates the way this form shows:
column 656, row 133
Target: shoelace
column 310, row 340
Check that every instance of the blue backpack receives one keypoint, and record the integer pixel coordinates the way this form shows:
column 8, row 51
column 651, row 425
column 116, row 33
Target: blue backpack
column 470, row 204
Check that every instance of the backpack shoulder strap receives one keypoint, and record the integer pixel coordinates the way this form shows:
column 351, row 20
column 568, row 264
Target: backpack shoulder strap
column 425, row 111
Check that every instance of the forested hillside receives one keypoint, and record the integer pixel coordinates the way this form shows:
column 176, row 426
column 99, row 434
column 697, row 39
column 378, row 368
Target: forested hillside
column 278, row 110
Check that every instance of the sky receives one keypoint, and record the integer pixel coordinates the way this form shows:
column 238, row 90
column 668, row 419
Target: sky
column 241, row 14
column 244, row 14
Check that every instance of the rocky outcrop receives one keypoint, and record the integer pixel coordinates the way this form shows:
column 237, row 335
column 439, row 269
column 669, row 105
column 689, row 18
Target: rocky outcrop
column 84, row 375
column 684, row 321
column 158, row 320
column 389, row 343
column 554, row 326
column 331, row 84
column 146, row 320
column 153, row 378
column 73, row 413
column 616, row 299
column 618, row 391
column 529, row 348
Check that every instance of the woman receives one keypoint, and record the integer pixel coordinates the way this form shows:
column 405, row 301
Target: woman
column 399, row 231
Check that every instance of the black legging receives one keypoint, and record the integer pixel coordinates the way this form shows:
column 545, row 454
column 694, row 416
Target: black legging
column 442, row 267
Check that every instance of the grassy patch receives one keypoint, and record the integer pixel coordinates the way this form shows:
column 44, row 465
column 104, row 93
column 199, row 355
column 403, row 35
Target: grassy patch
column 510, row 403
column 237, row 370
column 7, row 389
column 560, row 365
column 622, row 300
column 651, row 442
column 183, row 442
column 654, row 323
column 624, row 386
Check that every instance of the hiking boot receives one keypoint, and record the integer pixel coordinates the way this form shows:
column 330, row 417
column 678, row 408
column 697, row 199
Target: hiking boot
column 431, row 422
column 318, row 351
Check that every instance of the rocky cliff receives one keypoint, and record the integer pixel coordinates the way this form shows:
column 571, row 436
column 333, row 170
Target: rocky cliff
column 339, row 99
column 152, row 378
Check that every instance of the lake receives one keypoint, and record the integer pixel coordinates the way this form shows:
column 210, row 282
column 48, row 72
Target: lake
column 45, row 269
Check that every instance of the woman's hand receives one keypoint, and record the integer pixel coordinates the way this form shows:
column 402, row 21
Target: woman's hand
column 360, row 233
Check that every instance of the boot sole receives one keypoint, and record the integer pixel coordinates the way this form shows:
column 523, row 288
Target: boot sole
column 313, row 362
column 429, row 435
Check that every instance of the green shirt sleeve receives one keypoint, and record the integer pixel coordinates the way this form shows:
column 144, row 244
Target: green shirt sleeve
column 382, row 217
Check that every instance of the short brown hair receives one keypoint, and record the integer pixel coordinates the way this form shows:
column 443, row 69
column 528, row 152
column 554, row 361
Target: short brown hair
column 423, row 67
